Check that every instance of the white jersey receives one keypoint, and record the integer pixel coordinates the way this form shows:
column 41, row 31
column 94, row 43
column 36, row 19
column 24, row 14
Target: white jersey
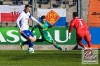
column 22, row 20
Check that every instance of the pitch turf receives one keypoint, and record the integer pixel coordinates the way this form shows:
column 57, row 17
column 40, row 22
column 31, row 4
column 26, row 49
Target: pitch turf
column 42, row 58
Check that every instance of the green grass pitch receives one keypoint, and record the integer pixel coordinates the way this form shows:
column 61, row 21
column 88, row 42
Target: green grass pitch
column 42, row 58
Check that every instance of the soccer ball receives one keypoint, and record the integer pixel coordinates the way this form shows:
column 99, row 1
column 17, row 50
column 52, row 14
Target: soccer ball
column 30, row 50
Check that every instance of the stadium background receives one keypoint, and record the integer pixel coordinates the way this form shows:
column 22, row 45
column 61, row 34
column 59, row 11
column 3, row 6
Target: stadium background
column 45, row 54
column 87, row 10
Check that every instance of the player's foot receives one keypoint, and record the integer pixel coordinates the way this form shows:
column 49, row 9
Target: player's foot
column 22, row 47
column 88, row 49
column 65, row 49
column 85, row 47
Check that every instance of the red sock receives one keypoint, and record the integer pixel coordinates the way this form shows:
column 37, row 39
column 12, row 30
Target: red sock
column 89, row 44
column 81, row 44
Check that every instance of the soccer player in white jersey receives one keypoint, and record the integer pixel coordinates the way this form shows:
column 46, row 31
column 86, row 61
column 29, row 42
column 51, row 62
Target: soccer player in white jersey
column 22, row 23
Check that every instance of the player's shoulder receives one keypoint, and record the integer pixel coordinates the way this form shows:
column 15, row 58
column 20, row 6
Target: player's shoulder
column 78, row 19
column 81, row 20
column 46, row 23
column 72, row 20
column 22, row 12
column 28, row 12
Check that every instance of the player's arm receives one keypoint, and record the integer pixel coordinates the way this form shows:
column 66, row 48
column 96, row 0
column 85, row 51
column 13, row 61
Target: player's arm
column 45, row 25
column 35, row 20
column 34, row 27
column 70, row 29
column 18, row 21
column 41, row 25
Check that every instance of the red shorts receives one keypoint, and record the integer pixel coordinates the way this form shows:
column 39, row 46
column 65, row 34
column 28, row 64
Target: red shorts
column 83, row 35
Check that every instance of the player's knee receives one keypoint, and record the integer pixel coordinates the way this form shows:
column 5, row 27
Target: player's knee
column 78, row 42
column 54, row 43
column 33, row 39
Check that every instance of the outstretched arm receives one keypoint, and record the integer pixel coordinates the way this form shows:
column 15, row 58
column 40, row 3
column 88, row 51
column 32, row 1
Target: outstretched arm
column 35, row 20
column 31, row 17
column 34, row 27
column 70, row 29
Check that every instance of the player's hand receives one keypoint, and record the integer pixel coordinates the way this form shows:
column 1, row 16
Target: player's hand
column 20, row 31
column 40, row 24
column 37, row 22
column 69, row 36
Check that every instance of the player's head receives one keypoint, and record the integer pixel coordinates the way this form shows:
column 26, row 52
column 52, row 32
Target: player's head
column 43, row 18
column 75, row 14
column 27, row 8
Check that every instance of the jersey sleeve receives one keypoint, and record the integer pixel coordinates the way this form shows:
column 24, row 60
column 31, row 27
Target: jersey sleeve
column 71, row 26
column 18, row 21
column 37, row 25
column 34, row 27
column 44, row 25
column 33, row 18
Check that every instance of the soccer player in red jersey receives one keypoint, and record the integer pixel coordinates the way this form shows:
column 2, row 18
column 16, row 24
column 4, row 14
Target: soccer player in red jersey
column 81, row 30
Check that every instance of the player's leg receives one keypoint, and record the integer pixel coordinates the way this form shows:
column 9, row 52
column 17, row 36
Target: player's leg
column 24, row 34
column 89, row 44
column 39, row 40
column 32, row 39
column 29, row 36
column 24, row 42
column 88, row 39
column 28, row 42
column 56, row 45
column 50, row 40
column 79, row 39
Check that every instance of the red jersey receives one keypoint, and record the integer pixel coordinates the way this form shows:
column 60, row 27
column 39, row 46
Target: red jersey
column 78, row 24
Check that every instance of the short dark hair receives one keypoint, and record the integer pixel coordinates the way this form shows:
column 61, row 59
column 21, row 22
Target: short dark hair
column 42, row 17
column 75, row 14
column 27, row 5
